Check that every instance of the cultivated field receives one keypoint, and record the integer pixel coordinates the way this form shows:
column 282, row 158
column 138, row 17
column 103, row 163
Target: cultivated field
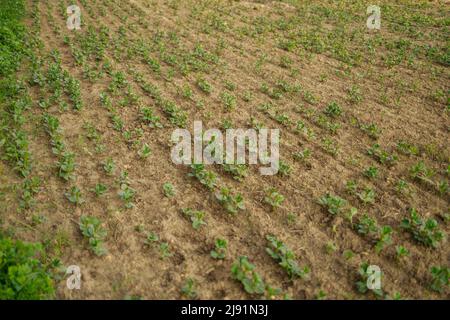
column 86, row 119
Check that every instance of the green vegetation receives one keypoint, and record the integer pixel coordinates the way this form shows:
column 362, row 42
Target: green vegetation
column 93, row 231
column 22, row 275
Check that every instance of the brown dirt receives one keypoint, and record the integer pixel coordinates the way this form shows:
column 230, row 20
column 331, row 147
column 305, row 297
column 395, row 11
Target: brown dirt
column 133, row 268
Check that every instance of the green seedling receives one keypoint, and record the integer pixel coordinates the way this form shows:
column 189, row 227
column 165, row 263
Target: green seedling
column 127, row 194
column 206, row 177
column 333, row 110
column 147, row 115
column 384, row 238
column 401, row 252
column 74, row 195
column 367, row 196
column 220, row 249
column 440, row 276
column 188, row 290
column 100, row 189
column 195, row 216
column 371, row 172
column 333, row 204
column 91, row 229
column 364, row 275
column 230, row 202
column 145, row 151
column 244, row 271
column 151, row 238
column 274, row 198
column 285, row 257
column 426, row 232
column 238, row 171
column 367, row 226
column 164, row 250
column 66, row 166
column 168, row 190
column 109, row 166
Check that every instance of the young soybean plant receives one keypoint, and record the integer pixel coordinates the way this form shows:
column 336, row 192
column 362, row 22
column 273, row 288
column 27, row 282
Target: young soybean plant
column 231, row 203
column 206, row 177
column 74, row 195
column 91, row 229
column 220, row 250
column 385, row 238
column 99, row 189
column 364, row 275
column 286, row 258
column 274, row 198
column 109, row 166
column 188, row 290
column 168, row 190
column 333, row 204
column 127, row 194
column 244, row 271
column 145, row 151
column 440, row 277
column 195, row 216
column 426, row 232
